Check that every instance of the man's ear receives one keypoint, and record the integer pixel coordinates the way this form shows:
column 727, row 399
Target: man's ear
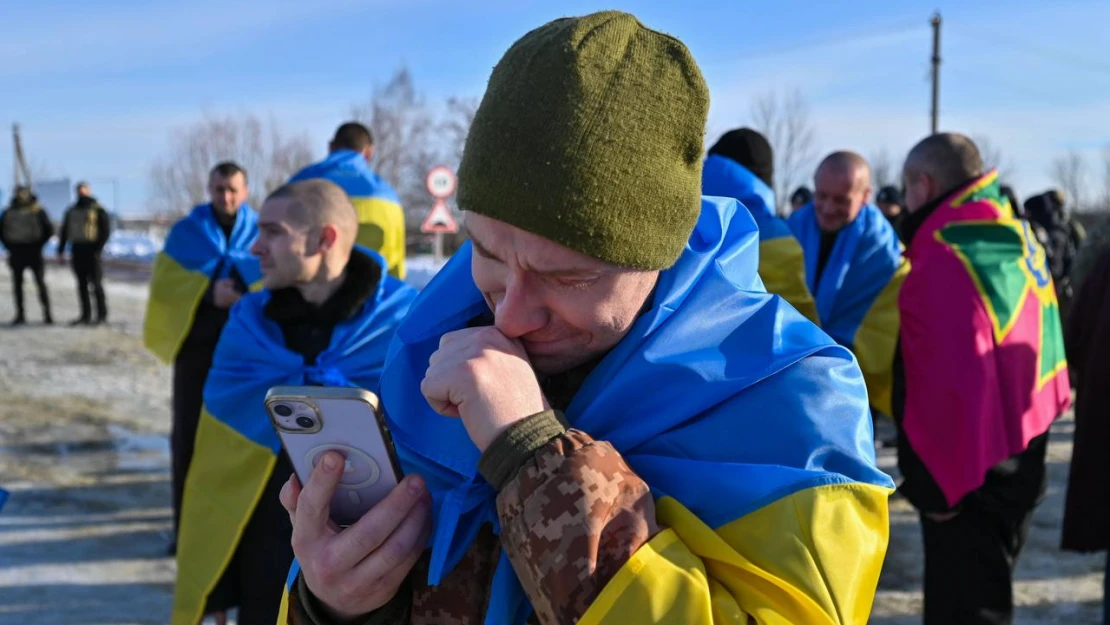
column 329, row 234
column 368, row 153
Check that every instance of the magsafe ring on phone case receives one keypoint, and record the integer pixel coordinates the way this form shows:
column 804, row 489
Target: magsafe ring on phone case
column 359, row 471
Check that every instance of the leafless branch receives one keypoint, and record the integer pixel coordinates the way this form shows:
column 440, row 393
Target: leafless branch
column 786, row 123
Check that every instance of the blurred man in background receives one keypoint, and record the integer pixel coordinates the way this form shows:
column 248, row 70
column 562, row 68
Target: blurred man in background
column 380, row 216
column 854, row 267
column 889, row 200
column 86, row 228
column 201, row 272
column 800, row 197
column 24, row 230
column 979, row 378
column 325, row 318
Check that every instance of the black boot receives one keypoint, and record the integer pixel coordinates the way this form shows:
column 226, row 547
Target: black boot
column 18, row 321
column 47, row 320
column 81, row 321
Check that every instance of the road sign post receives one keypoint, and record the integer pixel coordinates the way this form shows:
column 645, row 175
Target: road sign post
column 441, row 184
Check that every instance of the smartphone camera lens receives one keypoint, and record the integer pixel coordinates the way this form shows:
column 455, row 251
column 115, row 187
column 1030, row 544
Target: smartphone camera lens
column 305, row 422
column 282, row 410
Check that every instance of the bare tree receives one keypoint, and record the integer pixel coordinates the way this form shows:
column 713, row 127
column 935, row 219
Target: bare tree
column 1069, row 172
column 457, row 118
column 786, row 123
column 994, row 158
column 884, row 171
column 404, row 129
column 179, row 179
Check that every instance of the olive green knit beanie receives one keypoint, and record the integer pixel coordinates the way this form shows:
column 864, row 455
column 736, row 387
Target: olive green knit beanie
column 590, row 134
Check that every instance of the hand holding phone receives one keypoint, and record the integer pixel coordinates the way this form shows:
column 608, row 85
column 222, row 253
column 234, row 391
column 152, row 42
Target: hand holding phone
column 358, row 569
column 312, row 421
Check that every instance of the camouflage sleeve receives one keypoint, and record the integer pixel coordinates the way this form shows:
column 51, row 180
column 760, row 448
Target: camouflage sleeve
column 572, row 514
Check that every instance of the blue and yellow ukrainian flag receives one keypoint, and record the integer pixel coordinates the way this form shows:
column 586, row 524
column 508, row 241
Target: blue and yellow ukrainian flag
column 196, row 253
column 857, row 297
column 380, row 216
column 755, row 439
column 236, row 447
column 781, row 261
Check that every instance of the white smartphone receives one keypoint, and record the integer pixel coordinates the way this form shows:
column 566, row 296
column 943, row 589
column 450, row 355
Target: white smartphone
column 313, row 420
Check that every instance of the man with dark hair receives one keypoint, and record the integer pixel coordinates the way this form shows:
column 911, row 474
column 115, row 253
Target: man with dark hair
column 854, row 267
column 381, row 218
column 979, row 378
column 1061, row 235
column 86, row 228
column 325, row 318
column 741, row 165
column 204, row 268
column 24, row 230
column 889, row 200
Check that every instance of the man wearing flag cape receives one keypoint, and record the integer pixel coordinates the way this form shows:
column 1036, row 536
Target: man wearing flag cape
column 854, row 268
column 325, row 317
column 602, row 415
column 980, row 376
column 381, row 219
column 741, row 165
column 204, row 267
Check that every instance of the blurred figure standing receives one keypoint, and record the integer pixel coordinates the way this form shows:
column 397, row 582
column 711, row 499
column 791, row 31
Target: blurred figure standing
column 24, row 230
column 889, row 200
column 86, row 228
column 381, row 220
column 1087, row 510
column 979, row 377
column 800, row 197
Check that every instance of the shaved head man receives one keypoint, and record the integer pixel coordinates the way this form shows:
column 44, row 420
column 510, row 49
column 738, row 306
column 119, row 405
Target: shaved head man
column 306, row 233
column 327, row 315
column 843, row 186
column 978, row 378
column 854, row 267
column 937, row 165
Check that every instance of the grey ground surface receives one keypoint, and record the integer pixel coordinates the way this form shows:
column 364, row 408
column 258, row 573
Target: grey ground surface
column 84, row 416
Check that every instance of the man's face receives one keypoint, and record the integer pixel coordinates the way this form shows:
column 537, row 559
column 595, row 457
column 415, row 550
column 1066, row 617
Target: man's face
column 566, row 308
column 83, row 191
column 227, row 193
column 918, row 190
column 288, row 251
column 838, row 196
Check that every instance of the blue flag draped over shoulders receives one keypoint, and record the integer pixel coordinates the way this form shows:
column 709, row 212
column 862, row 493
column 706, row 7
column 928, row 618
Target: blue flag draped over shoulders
column 349, row 170
column 724, row 177
column 198, row 243
column 749, row 402
column 863, row 261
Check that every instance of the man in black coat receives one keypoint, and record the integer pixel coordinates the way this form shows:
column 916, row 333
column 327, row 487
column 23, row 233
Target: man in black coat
column 24, row 230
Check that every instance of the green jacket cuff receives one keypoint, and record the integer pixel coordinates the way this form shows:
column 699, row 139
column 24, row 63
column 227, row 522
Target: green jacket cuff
column 515, row 446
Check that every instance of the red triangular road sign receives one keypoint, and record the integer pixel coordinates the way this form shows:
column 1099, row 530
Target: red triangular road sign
column 439, row 219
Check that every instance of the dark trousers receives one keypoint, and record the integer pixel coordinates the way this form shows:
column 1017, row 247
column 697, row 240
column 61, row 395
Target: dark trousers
column 86, row 266
column 19, row 261
column 255, row 579
column 969, row 565
column 190, row 371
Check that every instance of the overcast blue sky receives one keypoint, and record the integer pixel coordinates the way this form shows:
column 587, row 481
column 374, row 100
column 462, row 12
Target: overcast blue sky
column 99, row 86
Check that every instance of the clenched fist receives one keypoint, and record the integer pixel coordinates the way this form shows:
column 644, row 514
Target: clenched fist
column 486, row 379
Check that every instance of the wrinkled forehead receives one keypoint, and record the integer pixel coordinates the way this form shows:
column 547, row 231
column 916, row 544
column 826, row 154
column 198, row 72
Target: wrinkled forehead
column 509, row 243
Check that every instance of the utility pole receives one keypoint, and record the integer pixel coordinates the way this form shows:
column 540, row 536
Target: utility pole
column 936, row 70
